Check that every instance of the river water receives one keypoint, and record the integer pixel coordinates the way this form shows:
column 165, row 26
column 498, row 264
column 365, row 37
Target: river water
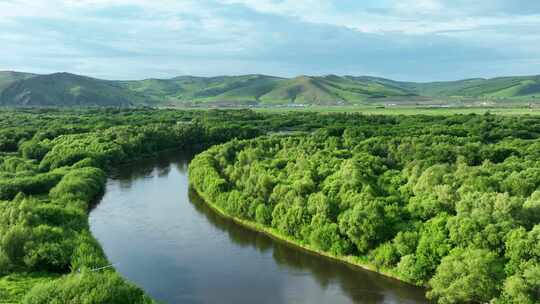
column 161, row 237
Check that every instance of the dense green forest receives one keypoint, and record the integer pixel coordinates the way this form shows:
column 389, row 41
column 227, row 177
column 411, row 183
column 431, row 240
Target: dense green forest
column 53, row 167
column 446, row 202
column 451, row 203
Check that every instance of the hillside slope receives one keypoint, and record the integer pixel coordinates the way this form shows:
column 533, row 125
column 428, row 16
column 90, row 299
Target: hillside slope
column 329, row 90
column 502, row 87
column 63, row 89
column 9, row 77
column 234, row 89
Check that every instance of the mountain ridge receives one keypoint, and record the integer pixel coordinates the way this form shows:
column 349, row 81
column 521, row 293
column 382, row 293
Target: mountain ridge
column 67, row 89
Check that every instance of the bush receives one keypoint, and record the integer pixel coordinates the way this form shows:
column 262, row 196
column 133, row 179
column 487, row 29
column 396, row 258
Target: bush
column 385, row 255
column 5, row 263
column 88, row 253
column 263, row 214
column 80, row 184
column 87, row 288
column 325, row 236
column 34, row 149
column 13, row 243
column 36, row 184
column 49, row 249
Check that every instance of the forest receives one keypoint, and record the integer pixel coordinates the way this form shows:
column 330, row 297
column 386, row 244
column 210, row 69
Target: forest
column 53, row 168
column 449, row 203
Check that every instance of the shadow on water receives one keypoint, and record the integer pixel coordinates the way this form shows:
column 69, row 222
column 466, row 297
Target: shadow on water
column 126, row 174
column 361, row 286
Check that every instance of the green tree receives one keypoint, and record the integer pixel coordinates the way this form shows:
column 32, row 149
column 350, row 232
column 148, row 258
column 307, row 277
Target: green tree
column 467, row 276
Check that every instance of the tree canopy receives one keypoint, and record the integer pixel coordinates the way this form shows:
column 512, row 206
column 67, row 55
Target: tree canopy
column 450, row 203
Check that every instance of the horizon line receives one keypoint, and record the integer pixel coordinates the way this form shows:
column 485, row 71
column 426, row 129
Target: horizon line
column 269, row 75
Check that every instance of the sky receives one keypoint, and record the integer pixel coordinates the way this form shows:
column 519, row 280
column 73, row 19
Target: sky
column 413, row 40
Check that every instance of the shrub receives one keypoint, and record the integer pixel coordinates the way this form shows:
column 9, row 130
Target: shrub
column 263, row 214
column 385, row 255
column 87, row 288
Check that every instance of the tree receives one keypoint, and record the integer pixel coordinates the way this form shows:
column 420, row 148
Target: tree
column 263, row 214
column 484, row 219
column 385, row 255
column 364, row 224
column 467, row 276
column 523, row 287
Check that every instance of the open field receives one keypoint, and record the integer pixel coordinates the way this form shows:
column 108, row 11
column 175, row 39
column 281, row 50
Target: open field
column 409, row 110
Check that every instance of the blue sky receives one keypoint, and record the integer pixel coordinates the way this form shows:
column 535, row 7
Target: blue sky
column 417, row 40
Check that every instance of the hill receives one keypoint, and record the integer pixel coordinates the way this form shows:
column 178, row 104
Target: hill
column 63, row 89
column 255, row 89
column 9, row 77
column 222, row 89
column 330, row 90
column 497, row 88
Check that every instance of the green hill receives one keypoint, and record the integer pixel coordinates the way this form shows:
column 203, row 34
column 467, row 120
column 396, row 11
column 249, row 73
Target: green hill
column 232, row 89
column 502, row 87
column 9, row 77
column 63, row 89
column 330, row 90
column 301, row 90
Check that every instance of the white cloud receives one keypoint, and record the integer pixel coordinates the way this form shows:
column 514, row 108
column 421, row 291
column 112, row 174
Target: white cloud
column 284, row 37
column 404, row 16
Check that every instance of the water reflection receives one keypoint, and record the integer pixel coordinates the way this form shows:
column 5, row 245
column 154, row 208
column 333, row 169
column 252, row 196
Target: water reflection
column 361, row 286
column 171, row 244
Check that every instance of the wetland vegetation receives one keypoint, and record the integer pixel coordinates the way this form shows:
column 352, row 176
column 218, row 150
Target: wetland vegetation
column 446, row 202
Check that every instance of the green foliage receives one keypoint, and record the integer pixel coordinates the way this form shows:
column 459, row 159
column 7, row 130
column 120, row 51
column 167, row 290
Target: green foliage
column 13, row 287
column 35, row 149
column 364, row 224
column 28, row 184
column 484, row 219
column 324, row 235
column 467, row 276
column 13, row 243
column 407, row 194
column 87, row 253
column 60, row 170
column 86, row 288
column 522, row 248
column 263, row 215
column 522, row 287
column 385, row 255
column 79, row 185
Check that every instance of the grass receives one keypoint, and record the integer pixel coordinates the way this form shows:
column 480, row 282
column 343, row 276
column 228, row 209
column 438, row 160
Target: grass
column 13, row 287
column 412, row 110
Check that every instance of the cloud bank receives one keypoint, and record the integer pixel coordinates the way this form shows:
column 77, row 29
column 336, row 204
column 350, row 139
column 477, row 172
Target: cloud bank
column 407, row 40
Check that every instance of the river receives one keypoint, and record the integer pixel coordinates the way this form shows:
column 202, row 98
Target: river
column 162, row 237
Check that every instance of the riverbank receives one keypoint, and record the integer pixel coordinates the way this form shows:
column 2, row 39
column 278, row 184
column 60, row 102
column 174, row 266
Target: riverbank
column 354, row 261
column 52, row 172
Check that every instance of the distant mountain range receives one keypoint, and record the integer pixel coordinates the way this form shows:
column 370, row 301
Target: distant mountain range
column 64, row 89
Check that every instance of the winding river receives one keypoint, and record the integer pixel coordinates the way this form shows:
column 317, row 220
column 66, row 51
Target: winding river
column 160, row 236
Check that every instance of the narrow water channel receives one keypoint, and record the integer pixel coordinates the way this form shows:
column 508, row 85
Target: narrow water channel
column 164, row 239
